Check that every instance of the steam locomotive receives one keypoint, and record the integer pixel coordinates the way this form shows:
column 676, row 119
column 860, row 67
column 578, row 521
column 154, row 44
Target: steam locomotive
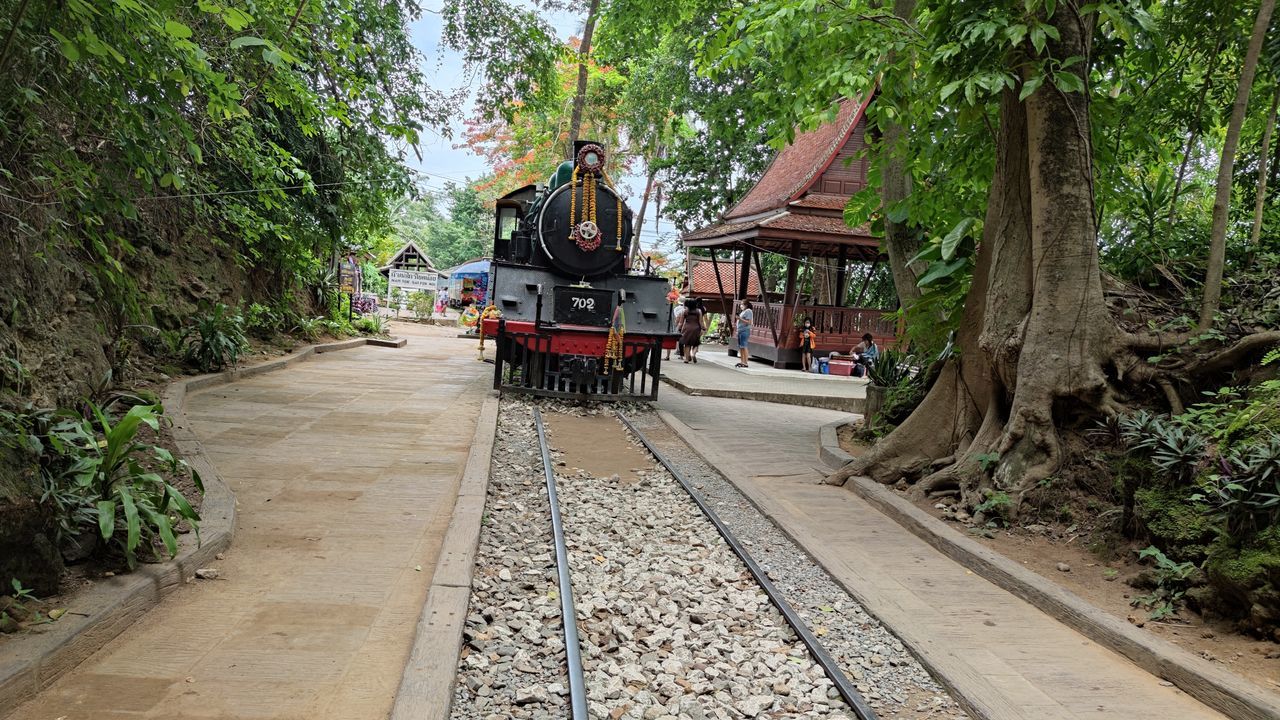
column 568, row 317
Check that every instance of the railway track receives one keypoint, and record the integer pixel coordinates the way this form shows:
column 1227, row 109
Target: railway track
column 660, row 610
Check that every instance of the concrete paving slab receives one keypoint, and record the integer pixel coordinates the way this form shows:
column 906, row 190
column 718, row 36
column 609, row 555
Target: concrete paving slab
column 320, row 593
column 715, row 376
column 1001, row 656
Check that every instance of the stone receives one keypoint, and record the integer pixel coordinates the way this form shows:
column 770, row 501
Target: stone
column 753, row 705
column 530, row 695
column 207, row 573
column 1063, row 567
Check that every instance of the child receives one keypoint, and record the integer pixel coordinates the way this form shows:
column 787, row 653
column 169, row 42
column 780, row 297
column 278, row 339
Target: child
column 808, row 339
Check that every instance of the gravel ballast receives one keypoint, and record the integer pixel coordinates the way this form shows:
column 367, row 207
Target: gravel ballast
column 671, row 622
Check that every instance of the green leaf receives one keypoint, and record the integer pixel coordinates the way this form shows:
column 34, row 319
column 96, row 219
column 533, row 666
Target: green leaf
column 177, row 30
column 133, row 525
column 236, row 19
column 107, row 518
column 953, row 238
column 1030, row 86
column 247, row 41
column 69, row 49
column 938, row 271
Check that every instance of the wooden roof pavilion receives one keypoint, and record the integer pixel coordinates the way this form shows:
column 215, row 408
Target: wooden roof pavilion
column 796, row 209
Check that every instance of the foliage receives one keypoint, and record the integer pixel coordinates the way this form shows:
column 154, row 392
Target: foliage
column 372, row 325
column 276, row 129
column 422, row 303
column 364, row 303
column 1172, row 580
column 1245, row 492
column 311, row 328
column 892, row 369
column 262, row 321
column 996, row 505
column 98, row 473
column 452, row 226
column 216, row 339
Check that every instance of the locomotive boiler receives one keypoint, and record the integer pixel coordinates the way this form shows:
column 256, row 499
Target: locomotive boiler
column 569, row 318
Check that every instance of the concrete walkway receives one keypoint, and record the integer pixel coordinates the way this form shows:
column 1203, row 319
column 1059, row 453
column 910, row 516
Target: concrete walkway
column 345, row 469
column 715, row 376
column 999, row 654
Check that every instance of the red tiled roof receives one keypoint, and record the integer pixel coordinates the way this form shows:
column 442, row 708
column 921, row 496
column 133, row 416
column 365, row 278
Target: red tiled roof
column 702, row 278
column 823, row 202
column 814, row 223
column 798, row 164
column 720, row 229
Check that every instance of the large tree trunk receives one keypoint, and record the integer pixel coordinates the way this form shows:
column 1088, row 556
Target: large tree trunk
column 1222, row 200
column 1263, row 156
column 901, row 242
column 1036, row 334
column 580, row 98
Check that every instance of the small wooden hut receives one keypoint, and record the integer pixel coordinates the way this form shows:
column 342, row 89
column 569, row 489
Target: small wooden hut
column 796, row 209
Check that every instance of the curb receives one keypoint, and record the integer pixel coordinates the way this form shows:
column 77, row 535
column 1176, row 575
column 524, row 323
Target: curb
column 1215, row 687
column 825, row 402
column 829, row 450
column 426, row 685
column 113, row 604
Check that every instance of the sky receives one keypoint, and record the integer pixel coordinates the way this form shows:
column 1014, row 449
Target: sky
column 444, row 70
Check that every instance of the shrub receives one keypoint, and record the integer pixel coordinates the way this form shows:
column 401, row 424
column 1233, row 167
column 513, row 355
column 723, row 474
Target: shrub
column 97, row 473
column 262, row 321
column 365, row 303
column 216, row 340
column 372, row 325
column 422, row 303
column 1172, row 580
column 1245, row 492
column 891, row 369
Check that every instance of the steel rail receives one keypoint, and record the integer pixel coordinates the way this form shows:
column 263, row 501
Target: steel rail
column 572, row 646
column 843, row 685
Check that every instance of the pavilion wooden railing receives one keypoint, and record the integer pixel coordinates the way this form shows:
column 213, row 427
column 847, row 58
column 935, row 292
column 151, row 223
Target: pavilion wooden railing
column 838, row 328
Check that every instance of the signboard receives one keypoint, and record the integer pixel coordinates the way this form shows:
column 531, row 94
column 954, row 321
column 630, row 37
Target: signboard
column 347, row 274
column 413, row 280
column 583, row 306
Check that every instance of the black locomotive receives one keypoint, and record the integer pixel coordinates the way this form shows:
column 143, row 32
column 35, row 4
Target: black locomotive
column 569, row 318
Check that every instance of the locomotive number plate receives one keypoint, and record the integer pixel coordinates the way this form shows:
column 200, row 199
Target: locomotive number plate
column 583, row 306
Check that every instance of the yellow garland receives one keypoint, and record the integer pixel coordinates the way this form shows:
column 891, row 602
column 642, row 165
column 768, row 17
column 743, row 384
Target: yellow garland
column 480, row 325
column 573, row 202
column 613, row 348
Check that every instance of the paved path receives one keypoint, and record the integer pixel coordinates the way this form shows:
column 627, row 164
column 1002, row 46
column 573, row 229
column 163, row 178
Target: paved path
column 715, row 376
column 1000, row 653
column 345, row 468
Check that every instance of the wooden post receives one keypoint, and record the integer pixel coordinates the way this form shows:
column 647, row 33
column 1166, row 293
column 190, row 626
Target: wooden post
column 728, row 310
column 764, row 296
column 793, row 268
column 841, row 276
column 743, row 285
column 866, row 282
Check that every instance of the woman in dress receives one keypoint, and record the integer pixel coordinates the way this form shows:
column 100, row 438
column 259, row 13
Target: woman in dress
column 691, row 330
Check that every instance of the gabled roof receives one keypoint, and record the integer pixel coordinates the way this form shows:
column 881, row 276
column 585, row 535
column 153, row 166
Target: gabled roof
column 409, row 250
column 794, row 170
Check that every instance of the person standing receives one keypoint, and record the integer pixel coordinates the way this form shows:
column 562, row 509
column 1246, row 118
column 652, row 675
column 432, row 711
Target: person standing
column 677, row 321
column 745, row 319
column 808, row 339
column 691, row 330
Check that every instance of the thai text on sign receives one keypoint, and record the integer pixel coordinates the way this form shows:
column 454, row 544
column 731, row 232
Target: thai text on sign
column 413, row 280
